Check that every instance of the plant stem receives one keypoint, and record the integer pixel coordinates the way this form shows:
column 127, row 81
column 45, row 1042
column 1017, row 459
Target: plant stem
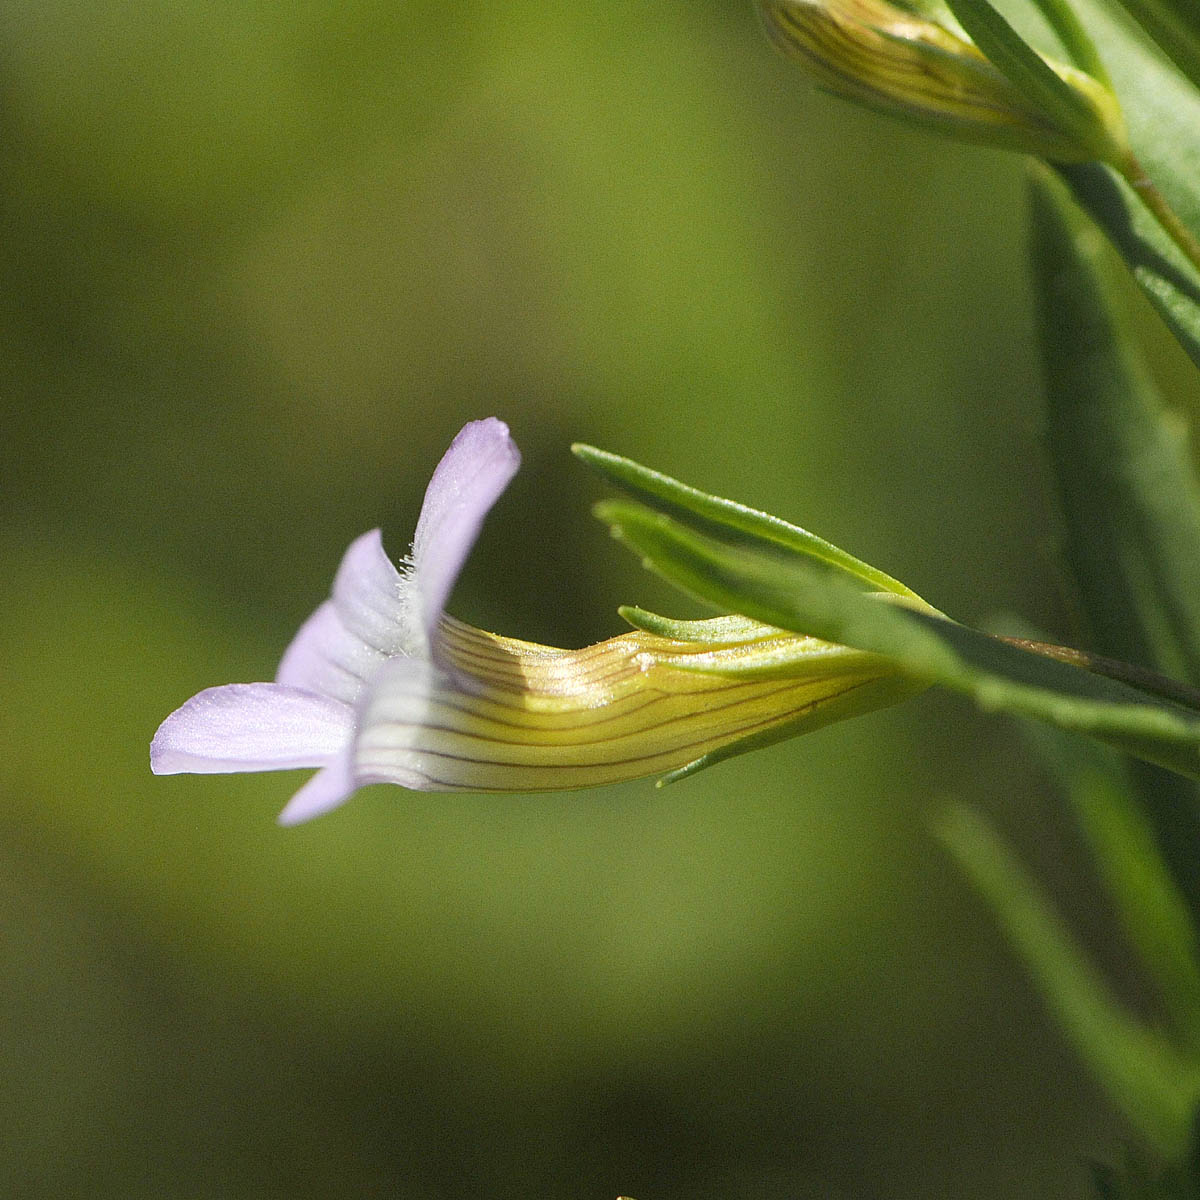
column 1135, row 175
column 1139, row 677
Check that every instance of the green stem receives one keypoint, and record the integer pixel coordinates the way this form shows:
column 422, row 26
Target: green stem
column 1139, row 677
column 1135, row 175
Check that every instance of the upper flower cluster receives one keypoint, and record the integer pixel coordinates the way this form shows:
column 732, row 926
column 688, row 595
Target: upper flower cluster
column 912, row 59
column 381, row 686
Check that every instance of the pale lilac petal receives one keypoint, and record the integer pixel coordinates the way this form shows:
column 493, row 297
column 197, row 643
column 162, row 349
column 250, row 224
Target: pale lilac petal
column 326, row 658
column 326, row 790
column 374, row 600
column 251, row 727
column 369, row 617
column 380, row 622
column 392, row 726
column 471, row 477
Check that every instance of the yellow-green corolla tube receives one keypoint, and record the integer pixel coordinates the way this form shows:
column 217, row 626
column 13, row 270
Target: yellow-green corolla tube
column 894, row 61
column 515, row 716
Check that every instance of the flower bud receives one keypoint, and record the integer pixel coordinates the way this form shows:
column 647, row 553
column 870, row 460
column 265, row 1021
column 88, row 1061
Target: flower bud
column 897, row 62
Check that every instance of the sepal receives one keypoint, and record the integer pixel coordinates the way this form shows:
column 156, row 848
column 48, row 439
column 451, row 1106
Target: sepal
column 671, row 498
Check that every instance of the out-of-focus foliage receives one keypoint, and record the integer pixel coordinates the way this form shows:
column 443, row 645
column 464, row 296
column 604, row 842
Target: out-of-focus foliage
column 259, row 263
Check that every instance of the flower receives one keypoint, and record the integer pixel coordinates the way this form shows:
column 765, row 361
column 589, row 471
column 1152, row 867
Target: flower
column 381, row 686
column 895, row 59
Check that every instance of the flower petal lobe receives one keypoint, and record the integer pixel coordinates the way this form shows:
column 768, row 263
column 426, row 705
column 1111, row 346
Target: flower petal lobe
column 328, row 789
column 471, row 477
column 251, row 727
column 374, row 600
column 326, row 658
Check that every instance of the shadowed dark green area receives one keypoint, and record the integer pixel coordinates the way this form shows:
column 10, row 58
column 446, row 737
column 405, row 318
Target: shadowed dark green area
column 259, row 264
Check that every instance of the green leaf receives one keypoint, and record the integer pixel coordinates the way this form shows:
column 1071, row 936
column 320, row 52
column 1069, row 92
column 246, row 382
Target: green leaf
column 1162, row 114
column 1125, row 846
column 1175, row 26
column 1128, row 490
column 1142, row 1073
column 1128, row 494
column 1089, row 115
column 670, row 496
column 1062, row 18
column 769, row 583
column 1161, row 270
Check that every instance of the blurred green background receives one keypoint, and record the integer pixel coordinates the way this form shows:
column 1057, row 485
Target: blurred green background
column 259, row 262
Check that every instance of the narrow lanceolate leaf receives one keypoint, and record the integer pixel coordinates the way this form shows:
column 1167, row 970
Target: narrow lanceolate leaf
column 1144, row 1075
column 1126, row 848
column 1128, row 490
column 1162, row 114
column 1175, row 26
column 1064, row 21
column 1128, row 494
column 666, row 495
column 1163, row 272
column 781, row 589
column 1074, row 101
